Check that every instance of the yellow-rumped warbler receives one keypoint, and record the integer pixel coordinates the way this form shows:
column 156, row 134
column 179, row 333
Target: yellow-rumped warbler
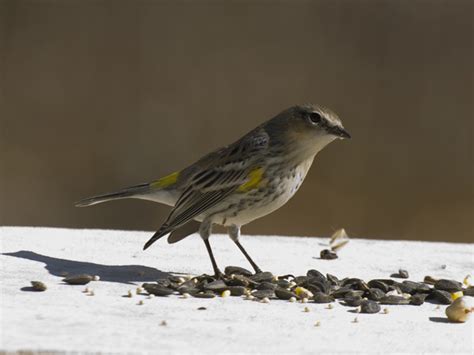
column 241, row 182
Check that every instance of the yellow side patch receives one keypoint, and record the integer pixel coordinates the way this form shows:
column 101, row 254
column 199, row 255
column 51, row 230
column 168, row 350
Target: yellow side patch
column 456, row 295
column 254, row 181
column 166, row 181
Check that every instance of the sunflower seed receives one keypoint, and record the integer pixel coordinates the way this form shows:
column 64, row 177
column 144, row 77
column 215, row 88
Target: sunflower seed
column 237, row 290
column 353, row 301
column 262, row 276
column 320, row 297
column 418, row 299
column 367, row 306
column 157, row 290
column 394, row 300
column 284, row 294
column 205, row 294
column 38, row 286
column 375, row 294
column 448, row 285
column 327, row 254
column 440, row 296
column 82, row 279
column 237, row 270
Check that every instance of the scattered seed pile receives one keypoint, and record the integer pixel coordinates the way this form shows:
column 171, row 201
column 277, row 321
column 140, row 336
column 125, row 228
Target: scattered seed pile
column 314, row 287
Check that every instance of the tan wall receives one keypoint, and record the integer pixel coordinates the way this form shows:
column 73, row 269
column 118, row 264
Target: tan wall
column 102, row 94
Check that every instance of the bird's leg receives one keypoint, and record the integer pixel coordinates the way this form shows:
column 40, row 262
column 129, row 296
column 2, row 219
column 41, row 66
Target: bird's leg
column 205, row 231
column 234, row 234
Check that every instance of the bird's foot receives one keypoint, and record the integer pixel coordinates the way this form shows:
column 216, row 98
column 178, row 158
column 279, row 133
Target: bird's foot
column 219, row 275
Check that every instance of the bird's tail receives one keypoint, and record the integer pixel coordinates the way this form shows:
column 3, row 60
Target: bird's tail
column 132, row 191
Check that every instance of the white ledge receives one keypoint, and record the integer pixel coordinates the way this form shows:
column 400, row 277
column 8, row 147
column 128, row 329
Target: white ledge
column 65, row 319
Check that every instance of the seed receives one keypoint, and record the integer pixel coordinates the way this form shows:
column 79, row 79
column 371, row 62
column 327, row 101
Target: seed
column 394, row 300
column 250, row 297
column 265, row 300
column 262, row 276
column 202, row 308
column 301, row 292
column 469, row 291
column 429, row 280
column 237, row 270
column 333, row 280
column 338, row 239
column 356, row 320
column 185, row 295
column 87, row 290
column 418, row 299
column 237, row 290
column 320, row 297
column 164, row 323
column 225, row 293
column 140, row 303
column 369, row 307
column 139, row 290
column 205, row 294
column 292, row 284
column 263, row 293
column 330, row 306
column 82, row 279
column 386, row 311
column 96, row 278
column 448, row 285
column 456, row 295
column 392, row 293
column 327, row 254
column 317, row 323
column 403, row 274
column 292, row 299
column 304, row 300
column 353, row 301
column 437, row 307
column 181, row 280
column 379, row 284
column 284, row 294
column 460, row 310
column 217, row 285
column 267, row 286
column 375, row 294
column 306, row 309
column 151, row 296
column 439, row 296
column 38, row 286
column 467, row 281
column 130, row 293
column 91, row 293
column 157, row 290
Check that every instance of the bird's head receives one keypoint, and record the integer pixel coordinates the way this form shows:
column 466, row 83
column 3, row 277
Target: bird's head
column 307, row 127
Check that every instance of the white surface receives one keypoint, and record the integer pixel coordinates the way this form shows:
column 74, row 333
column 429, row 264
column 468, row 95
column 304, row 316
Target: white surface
column 65, row 319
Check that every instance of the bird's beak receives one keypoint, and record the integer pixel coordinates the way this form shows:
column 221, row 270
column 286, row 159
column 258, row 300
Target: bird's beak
column 340, row 133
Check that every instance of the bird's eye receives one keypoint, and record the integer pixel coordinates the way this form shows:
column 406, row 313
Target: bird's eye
column 314, row 117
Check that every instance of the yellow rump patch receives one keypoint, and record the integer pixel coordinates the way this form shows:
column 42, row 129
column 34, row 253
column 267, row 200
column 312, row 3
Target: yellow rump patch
column 166, row 181
column 254, row 181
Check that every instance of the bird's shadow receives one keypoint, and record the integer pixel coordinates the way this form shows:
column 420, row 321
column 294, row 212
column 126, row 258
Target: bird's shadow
column 127, row 274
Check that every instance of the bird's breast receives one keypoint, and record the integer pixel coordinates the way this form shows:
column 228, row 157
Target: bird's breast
column 281, row 184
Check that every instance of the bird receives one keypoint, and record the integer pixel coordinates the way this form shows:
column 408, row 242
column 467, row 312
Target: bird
column 240, row 182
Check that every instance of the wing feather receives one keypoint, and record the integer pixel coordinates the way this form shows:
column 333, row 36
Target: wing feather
column 218, row 176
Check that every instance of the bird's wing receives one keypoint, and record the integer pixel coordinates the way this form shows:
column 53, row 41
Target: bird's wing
column 216, row 176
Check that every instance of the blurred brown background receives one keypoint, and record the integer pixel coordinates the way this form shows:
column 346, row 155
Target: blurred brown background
column 97, row 95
